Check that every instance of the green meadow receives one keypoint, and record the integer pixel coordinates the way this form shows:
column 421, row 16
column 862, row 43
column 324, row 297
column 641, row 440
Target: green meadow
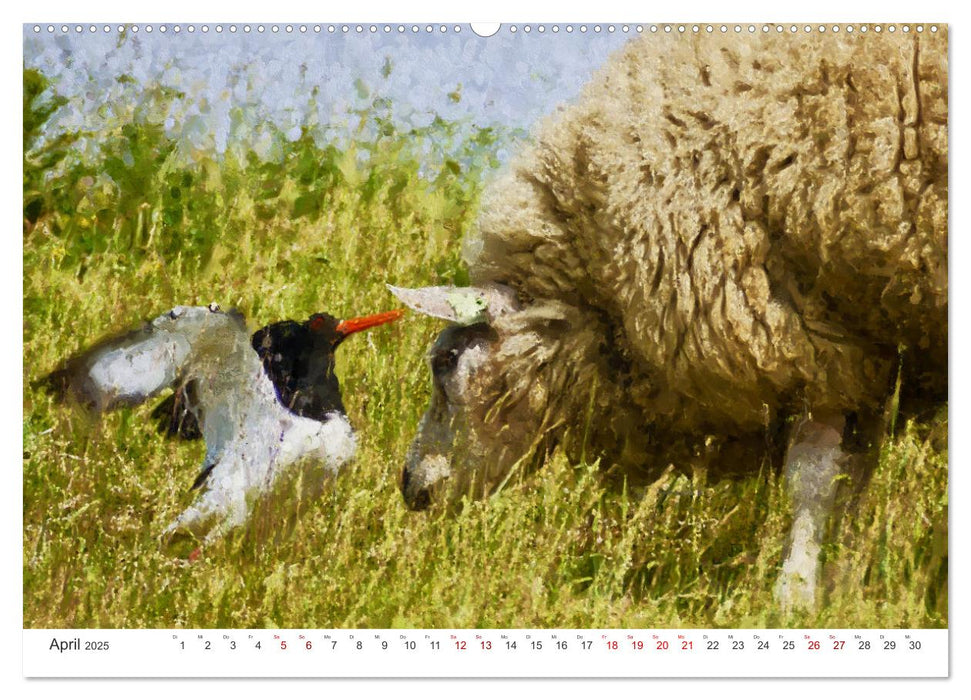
column 117, row 237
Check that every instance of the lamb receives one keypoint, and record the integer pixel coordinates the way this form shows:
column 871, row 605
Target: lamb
column 727, row 236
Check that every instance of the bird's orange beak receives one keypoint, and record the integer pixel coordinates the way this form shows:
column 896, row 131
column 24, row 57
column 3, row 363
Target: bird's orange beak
column 362, row 323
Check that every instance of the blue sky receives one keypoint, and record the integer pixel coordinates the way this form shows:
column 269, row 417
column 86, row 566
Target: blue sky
column 234, row 82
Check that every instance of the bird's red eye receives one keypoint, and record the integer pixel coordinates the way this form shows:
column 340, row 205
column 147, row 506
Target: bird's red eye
column 317, row 323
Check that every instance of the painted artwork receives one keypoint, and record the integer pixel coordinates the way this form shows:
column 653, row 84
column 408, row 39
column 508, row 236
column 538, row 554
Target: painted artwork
column 650, row 327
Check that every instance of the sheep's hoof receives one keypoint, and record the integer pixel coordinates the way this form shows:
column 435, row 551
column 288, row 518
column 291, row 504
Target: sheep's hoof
column 796, row 587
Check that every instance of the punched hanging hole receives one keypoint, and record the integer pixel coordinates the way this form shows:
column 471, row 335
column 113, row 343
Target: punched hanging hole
column 485, row 29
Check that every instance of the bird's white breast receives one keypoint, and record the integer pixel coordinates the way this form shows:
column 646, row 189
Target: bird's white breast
column 251, row 438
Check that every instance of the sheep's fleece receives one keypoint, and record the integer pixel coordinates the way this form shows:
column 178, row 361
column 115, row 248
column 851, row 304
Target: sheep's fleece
column 722, row 232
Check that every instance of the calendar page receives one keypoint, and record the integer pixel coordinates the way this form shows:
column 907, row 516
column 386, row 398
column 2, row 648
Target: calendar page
column 649, row 366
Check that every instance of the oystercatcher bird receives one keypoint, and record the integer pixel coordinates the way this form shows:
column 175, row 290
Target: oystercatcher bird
column 260, row 401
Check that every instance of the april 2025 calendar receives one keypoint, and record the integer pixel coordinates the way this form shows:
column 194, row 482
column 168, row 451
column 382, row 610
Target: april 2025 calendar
column 520, row 350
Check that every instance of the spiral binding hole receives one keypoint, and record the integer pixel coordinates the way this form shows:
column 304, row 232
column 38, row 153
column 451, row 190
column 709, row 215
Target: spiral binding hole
column 512, row 28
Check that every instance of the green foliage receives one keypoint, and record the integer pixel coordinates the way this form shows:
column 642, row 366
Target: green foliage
column 322, row 226
column 145, row 195
column 40, row 156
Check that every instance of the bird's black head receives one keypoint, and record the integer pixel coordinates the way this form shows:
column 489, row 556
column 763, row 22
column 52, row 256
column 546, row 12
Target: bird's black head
column 299, row 359
column 323, row 327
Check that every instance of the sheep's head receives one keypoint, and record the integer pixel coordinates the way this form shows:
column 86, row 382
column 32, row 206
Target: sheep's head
column 458, row 448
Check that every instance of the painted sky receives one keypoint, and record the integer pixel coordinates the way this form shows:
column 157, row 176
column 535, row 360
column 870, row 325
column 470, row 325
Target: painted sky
column 235, row 82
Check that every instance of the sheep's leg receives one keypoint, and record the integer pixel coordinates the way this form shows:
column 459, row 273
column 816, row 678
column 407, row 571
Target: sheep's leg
column 812, row 465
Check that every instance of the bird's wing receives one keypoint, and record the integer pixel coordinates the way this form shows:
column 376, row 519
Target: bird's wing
column 119, row 371
column 205, row 356
column 131, row 368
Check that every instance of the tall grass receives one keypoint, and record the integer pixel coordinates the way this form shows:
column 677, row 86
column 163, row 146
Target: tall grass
column 113, row 240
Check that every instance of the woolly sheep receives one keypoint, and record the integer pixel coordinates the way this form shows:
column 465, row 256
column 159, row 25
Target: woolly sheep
column 725, row 234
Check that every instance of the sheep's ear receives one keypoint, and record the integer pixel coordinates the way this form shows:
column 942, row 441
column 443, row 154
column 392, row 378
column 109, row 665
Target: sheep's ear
column 462, row 305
